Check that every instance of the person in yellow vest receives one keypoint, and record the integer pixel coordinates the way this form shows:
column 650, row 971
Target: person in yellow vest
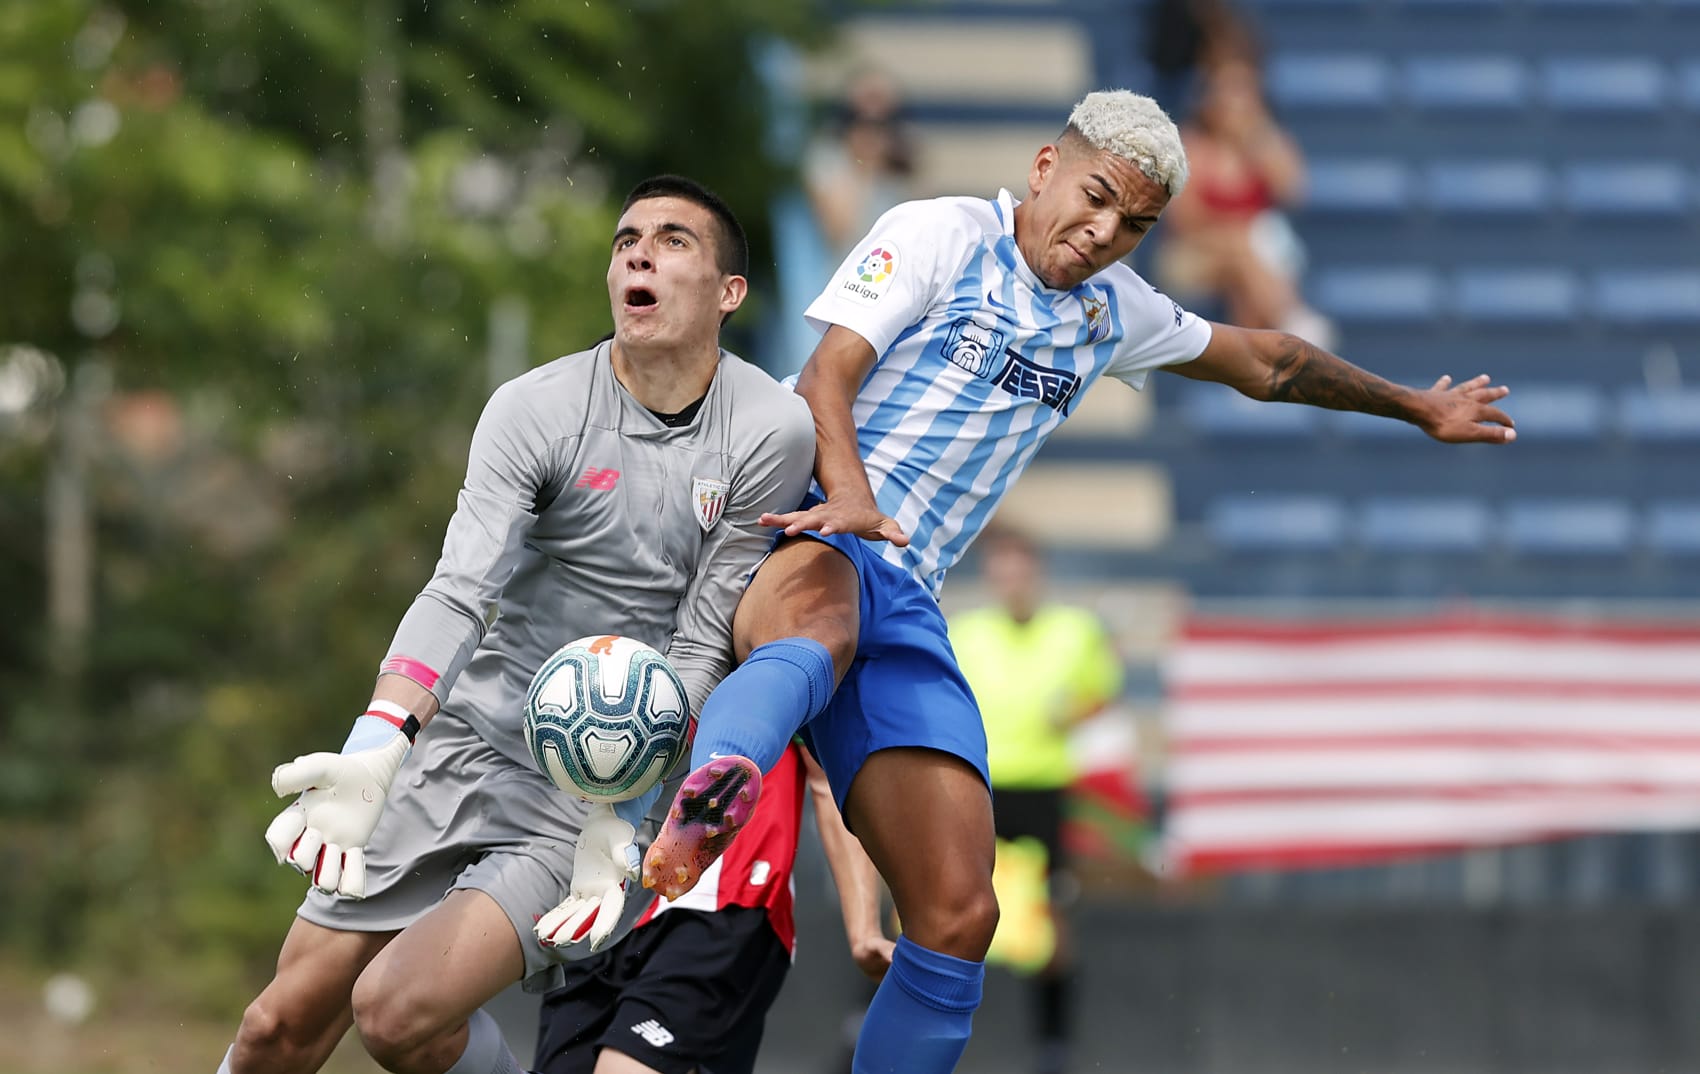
column 1036, row 669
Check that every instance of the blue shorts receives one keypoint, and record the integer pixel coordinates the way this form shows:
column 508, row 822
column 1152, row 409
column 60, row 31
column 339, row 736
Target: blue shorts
column 904, row 688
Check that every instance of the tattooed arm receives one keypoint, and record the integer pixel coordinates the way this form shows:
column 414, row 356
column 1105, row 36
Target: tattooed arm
column 1280, row 368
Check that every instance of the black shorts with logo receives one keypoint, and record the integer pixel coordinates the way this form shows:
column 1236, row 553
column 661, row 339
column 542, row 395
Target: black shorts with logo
column 688, row 991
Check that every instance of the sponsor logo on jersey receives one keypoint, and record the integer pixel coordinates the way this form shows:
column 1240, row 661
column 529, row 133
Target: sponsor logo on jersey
column 870, row 278
column 1097, row 316
column 597, row 479
column 759, row 872
column 709, row 494
column 654, row 1033
column 980, row 349
column 1053, row 387
column 974, row 346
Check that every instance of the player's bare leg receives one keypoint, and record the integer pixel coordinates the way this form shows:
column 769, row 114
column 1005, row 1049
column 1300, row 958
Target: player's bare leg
column 412, row 1002
column 925, row 818
column 296, row 1022
column 806, row 591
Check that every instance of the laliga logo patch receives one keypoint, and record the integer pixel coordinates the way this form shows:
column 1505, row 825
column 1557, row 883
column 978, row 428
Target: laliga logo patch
column 1097, row 317
column 710, row 496
column 870, row 277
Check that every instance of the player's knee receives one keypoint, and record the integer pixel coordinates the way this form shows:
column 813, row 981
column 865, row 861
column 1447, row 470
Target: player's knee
column 265, row 1030
column 960, row 924
column 391, row 1028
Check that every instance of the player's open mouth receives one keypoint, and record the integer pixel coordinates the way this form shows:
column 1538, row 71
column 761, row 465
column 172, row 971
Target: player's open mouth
column 637, row 297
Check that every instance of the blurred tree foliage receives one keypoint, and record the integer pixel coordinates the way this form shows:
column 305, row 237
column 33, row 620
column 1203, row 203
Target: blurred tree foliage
column 278, row 228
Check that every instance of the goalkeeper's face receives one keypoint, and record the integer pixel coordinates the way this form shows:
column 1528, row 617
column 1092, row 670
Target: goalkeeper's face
column 664, row 283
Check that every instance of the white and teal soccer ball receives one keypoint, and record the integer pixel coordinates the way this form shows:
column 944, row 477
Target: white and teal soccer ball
column 606, row 717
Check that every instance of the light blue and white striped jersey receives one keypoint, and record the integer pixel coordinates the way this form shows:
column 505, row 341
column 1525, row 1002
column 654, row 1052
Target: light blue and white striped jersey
column 979, row 362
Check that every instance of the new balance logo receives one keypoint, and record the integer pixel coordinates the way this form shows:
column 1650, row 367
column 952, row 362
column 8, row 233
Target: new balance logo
column 654, row 1033
column 599, row 480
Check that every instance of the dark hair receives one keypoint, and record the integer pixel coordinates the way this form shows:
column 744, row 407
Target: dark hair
column 731, row 248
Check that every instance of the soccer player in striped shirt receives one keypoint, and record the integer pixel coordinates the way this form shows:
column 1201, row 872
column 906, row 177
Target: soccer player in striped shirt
column 957, row 337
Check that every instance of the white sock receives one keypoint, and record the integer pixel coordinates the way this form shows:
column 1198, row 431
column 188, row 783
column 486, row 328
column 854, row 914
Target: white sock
column 224, row 1067
column 486, row 1051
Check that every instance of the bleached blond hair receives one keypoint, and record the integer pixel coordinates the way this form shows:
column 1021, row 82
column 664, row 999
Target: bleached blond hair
column 1135, row 128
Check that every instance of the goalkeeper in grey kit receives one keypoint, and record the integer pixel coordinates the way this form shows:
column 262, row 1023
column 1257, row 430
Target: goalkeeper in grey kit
column 613, row 491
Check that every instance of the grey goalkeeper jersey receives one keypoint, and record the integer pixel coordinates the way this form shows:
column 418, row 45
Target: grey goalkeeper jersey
column 583, row 514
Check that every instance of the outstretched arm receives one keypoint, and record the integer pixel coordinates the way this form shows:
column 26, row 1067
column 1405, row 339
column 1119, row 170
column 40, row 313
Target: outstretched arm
column 854, row 875
column 1277, row 367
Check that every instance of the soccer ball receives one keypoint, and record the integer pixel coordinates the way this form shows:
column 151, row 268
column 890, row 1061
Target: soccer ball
column 606, row 717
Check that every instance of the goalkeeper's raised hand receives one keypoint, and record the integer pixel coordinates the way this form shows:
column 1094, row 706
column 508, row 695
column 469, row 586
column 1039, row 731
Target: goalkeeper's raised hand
column 324, row 832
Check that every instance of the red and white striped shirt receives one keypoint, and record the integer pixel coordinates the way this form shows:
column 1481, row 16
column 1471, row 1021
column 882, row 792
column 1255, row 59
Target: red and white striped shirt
column 755, row 871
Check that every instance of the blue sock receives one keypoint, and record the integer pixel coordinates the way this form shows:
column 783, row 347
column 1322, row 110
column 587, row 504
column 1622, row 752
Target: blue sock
column 756, row 709
column 921, row 1016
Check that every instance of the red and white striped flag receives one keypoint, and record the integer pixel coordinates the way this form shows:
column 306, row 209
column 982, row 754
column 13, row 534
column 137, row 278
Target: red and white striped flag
column 1334, row 743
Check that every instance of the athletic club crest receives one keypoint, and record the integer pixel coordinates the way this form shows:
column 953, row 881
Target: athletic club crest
column 710, row 496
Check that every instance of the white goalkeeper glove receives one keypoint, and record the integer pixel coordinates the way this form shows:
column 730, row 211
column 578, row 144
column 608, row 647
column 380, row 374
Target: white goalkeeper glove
column 324, row 832
column 605, row 863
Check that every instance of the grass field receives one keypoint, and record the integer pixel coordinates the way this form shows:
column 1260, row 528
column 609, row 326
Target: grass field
column 127, row 1034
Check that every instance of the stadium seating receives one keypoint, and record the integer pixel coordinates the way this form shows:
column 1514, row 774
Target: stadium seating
column 1501, row 186
column 1659, row 188
column 1466, row 82
column 1332, row 80
column 1518, row 295
column 1579, row 527
column 1286, row 523
column 1673, row 527
column 1629, row 84
column 1437, row 524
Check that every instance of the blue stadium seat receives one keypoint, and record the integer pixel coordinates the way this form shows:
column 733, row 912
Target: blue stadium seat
column 1498, row 186
column 1604, row 84
column 1330, row 80
column 1372, row 185
column 1648, row 296
column 1688, row 84
column 1545, row 413
column 1219, row 411
column 1640, row 188
column 1581, row 527
column 1606, row 4
column 1277, row 522
column 1433, row 524
column 1669, row 415
column 1467, row 82
column 1673, row 527
column 1520, row 295
column 1391, row 293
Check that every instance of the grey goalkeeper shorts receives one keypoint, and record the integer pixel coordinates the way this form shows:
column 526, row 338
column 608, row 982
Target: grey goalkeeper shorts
column 460, row 814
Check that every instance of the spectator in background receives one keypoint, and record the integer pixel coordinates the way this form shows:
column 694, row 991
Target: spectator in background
column 1227, row 237
column 1183, row 37
column 863, row 168
column 856, row 167
column 1037, row 669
